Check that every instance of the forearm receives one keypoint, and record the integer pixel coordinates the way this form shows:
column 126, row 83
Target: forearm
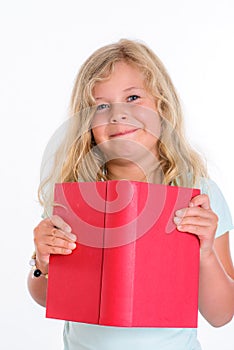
column 51, row 236
column 216, row 291
column 37, row 287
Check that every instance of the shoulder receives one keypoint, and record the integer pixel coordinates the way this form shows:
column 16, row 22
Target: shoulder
column 218, row 204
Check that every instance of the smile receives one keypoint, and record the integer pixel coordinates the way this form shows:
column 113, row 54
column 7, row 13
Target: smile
column 124, row 133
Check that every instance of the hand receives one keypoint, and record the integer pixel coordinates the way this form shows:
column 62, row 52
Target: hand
column 52, row 236
column 200, row 220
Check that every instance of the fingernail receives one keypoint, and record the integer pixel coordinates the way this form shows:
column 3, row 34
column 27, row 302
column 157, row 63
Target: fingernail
column 73, row 237
column 191, row 204
column 180, row 212
column 67, row 228
column 72, row 245
column 177, row 220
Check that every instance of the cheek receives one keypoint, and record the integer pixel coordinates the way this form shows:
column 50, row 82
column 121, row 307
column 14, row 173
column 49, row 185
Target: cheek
column 98, row 134
column 156, row 127
column 152, row 125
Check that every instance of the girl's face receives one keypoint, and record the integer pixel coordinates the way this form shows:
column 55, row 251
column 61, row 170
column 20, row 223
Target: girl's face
column 126, row 123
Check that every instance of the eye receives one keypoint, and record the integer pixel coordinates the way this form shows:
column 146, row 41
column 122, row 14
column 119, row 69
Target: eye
column 133, row 98
column 103, row 106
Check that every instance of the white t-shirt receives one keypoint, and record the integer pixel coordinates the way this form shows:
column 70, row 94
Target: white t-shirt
column 81, row 336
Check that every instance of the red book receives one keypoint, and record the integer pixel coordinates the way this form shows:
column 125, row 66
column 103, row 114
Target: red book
column 131, row 267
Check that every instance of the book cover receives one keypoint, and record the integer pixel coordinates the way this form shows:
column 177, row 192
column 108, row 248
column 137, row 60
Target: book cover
column 131, row 267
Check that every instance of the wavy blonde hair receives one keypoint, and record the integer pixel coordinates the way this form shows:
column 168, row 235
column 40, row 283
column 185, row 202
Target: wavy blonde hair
column 77, row 159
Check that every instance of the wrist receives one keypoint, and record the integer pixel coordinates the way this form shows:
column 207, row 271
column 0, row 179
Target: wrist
column 41, row 266
column 39, row 269
column 206, row 254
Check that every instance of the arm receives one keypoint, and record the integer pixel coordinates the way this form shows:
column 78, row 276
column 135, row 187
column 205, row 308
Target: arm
column 216, row 291
column 51, row 236
column 222, row 248
column 216, row 285
column 37, row 288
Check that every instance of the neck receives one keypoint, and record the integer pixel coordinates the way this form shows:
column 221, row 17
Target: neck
column 133, row 172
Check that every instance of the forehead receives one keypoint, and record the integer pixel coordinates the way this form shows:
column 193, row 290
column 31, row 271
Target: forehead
column 122, row 77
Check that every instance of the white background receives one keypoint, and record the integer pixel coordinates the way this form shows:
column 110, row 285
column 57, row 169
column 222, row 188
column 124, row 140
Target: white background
column 42, row 46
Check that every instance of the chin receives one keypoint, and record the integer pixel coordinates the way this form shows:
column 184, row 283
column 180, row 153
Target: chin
column 126, row 151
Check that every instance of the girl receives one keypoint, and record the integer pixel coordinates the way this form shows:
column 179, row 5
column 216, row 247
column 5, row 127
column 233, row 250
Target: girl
column 127, row 123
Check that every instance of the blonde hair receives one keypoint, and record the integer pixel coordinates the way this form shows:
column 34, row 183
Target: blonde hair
column 77, row 159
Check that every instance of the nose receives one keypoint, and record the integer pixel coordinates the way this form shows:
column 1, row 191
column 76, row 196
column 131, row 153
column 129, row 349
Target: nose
column 117, row 118
column 118, row 115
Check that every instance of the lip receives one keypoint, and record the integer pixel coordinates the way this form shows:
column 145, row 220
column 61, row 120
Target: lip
column 122, row 133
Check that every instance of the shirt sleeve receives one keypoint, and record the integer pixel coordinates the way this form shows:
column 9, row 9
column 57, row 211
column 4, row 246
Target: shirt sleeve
column 218, row 205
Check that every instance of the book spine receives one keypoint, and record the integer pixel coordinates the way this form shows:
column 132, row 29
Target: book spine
column 118, row 275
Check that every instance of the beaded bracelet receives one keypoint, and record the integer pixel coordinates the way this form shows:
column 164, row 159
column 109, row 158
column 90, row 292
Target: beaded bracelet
column 36, row 272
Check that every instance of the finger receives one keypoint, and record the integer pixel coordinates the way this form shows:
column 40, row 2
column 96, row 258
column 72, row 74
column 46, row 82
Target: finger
column 52, row 245
column 62, row 234
column 194, row 211
column 200, row 200
column 193, row 221
column 60, row 251
column 205, row 235
column 46, row 250
column 60, row 243
column 53, row 238
column 195, row 229
column 60, row 223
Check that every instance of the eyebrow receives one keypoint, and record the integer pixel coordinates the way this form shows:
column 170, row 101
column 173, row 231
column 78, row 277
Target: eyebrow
column 133, row 88
column 125, row 90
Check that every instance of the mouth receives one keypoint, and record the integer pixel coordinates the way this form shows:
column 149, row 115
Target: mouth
column 122, row 133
